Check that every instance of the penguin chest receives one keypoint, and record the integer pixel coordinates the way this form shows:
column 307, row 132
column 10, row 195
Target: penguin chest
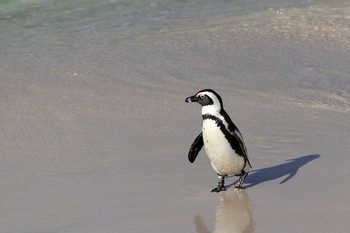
column 224, row 159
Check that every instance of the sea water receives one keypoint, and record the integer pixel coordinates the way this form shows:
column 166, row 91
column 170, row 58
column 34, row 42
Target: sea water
column 41, row 35
column 135, row 18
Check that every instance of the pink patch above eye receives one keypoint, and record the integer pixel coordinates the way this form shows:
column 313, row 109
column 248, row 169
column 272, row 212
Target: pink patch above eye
column 200, row 95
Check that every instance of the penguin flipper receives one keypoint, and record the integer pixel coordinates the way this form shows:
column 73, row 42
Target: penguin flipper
column 243, row 149
column 236, row 138
column 195, row 148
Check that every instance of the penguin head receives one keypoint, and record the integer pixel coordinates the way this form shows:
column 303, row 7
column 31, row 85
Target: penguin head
column 208, row 99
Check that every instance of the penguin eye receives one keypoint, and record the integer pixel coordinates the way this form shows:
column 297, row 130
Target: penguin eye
column 202, row 96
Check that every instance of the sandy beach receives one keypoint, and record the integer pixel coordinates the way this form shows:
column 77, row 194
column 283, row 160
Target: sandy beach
column 95, row 131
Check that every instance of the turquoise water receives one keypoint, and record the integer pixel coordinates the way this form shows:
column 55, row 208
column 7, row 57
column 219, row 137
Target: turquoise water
column 52, row 26
column 52, row 31
column 49, row 32
column 130, row 17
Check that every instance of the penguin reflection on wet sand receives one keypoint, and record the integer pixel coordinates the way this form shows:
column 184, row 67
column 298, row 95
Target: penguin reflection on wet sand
column 222, row 140
column 233, row 214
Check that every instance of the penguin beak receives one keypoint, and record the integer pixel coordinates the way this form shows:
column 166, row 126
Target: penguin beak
column 191, row 99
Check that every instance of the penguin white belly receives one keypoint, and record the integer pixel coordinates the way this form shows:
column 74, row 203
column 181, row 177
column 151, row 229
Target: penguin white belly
column 224, row 159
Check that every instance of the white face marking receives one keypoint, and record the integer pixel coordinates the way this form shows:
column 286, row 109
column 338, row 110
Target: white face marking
column 213, row 109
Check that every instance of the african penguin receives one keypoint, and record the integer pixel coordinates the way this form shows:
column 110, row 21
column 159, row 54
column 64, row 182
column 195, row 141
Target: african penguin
column 222, row 140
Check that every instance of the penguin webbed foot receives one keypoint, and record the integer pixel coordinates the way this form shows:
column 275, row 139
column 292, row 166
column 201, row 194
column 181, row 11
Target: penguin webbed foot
column 218, row 189
column 240, row 182
column 221, row 185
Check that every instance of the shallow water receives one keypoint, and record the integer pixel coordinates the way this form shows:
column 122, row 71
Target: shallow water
column 146, row 18
column 54, row 32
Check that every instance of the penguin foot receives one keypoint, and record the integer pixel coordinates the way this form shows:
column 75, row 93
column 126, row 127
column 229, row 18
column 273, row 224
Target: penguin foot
column 240, row 182
column 221, row 184
column 218, row 189
column 239, row 187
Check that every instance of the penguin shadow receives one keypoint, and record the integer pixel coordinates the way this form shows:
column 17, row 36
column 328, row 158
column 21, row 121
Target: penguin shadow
column 233, row 214
column 288, row 169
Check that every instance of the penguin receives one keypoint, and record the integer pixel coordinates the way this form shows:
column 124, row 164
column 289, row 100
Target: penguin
column 222, row 140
